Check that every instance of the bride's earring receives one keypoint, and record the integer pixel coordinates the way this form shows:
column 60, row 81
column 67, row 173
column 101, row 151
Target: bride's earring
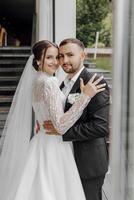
column 39, row 65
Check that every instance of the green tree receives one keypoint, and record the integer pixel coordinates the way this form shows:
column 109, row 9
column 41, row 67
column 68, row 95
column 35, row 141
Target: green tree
column 106, row 31
column 90, row 14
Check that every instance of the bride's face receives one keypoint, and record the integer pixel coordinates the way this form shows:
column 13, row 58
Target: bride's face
column 50, row 64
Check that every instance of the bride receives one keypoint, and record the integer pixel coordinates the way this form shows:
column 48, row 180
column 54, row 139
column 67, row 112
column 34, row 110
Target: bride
column 42, row 168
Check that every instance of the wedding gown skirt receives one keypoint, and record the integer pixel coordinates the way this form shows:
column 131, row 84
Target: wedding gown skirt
column 50, row 171
column 47, row 169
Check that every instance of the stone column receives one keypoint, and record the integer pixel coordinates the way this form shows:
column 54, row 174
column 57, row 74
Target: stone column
column 65, row 19
column 44, row 10
column 65, row 24
column 122, row 135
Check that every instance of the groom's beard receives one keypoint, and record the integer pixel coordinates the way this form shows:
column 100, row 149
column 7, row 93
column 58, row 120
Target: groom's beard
column 71, row 69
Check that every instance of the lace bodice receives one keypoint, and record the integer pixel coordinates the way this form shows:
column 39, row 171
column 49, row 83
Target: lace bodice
column 48, row 103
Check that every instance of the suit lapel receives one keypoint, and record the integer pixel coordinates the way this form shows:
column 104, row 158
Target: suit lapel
column 85, row 75
column 82, row 75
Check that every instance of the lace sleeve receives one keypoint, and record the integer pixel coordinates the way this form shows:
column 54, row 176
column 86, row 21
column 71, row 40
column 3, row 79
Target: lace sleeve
column 52, row 97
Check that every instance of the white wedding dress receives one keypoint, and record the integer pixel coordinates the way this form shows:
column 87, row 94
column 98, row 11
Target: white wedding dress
column 50, row 172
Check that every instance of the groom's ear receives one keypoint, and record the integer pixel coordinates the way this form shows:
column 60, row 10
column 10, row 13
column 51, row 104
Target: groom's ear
column 83, row 55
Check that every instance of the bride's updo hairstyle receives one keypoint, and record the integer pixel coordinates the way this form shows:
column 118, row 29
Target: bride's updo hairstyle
column 39, row 49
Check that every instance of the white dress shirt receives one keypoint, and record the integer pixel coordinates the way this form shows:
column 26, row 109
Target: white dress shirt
column 70, row 82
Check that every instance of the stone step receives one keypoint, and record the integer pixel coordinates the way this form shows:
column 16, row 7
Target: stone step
column 3, row 116
column 10, row 55
column 8, row 78
column 5, row 99
column 7, row 88
column 9, row 83
column 12, row 63
column 11, row 71
column 2, row 123
column 4, row 109
column 15, row 50
column 7, row 92
column 5, row 103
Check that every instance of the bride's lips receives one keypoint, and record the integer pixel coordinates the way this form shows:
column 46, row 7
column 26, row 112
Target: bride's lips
column 52, row 67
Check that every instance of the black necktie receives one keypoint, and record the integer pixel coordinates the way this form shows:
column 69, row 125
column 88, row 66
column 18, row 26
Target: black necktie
column 62, row 85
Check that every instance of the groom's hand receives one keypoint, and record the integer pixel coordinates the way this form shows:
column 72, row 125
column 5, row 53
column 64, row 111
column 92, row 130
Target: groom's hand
column 37, row 128
column 49, row 128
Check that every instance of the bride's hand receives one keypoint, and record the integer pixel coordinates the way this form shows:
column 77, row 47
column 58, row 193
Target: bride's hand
column 92, row 87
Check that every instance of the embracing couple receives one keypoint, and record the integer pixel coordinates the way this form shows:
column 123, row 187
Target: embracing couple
column 67, row 159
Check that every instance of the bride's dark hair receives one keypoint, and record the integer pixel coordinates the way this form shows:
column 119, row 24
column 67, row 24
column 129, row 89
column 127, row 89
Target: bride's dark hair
column 39, row 49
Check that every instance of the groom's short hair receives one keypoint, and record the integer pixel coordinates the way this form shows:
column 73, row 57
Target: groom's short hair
column 73, row 41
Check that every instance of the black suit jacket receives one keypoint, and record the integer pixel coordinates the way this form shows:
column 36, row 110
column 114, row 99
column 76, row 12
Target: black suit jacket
column 89, row 132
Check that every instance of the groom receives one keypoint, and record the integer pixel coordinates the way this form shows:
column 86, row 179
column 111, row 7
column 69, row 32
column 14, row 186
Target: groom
column 89, row 132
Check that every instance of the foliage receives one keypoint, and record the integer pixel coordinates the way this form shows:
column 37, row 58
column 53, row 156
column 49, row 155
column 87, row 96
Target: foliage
column 90, row 14
column 106, row 31
column 99, row 45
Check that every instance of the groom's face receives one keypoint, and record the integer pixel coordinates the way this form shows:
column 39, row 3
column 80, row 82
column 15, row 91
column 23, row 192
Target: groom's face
column 71, row 58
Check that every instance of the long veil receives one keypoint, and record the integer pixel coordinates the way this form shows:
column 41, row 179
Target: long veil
column 16, row 134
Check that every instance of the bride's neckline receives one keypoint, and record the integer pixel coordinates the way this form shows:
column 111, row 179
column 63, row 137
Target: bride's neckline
column 40, row 73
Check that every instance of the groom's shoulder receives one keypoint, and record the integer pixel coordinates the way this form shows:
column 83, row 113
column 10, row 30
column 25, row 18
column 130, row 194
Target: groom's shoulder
column 86, row 74
column 89, row 73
